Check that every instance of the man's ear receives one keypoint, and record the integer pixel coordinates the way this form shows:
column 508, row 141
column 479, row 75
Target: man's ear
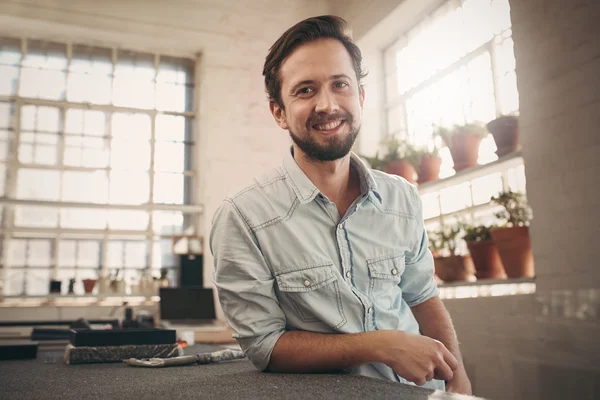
column 279, row 114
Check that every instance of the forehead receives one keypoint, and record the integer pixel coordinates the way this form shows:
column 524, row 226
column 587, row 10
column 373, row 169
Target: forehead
column 316, row 61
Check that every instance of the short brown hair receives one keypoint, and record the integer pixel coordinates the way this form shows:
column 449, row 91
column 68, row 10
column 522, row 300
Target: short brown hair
column 326, row 26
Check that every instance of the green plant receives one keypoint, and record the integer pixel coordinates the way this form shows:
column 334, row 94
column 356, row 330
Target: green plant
column 375, row 162
column 477, row 233
column 446, row 133
column 394, row 150
column 447, row 238
column 516, row 210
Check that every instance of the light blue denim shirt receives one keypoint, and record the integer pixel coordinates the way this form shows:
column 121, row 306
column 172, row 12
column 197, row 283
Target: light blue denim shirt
column 286, row 260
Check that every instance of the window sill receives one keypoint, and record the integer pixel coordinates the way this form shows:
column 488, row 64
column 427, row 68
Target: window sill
column 510, row 160
column 77, row 301
column 487, row 288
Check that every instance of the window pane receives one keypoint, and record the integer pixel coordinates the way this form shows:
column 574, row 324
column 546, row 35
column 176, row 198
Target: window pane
column 82, row 218
column 128, row 219
column 38, row 184
column 10, row 58
column 163, row 256
column 39, row 253
column 80, row 186
column 173, row 223
column 36, row 217
column 87, row 122
column 67, row 253
column 455, row 198
column 134, row 80
column 129, row 187
column 171, row 188
column 38, row 282
column 170, row 156
column 17, row 252
column 130, row 146
column 14, row 282
column 175, row 84
column 486, row 187
column 7, row 111
column 170, row 128
column 88, row 254
column 90, row 75
column 114, row 254
column 44, row 71
column 136, row 254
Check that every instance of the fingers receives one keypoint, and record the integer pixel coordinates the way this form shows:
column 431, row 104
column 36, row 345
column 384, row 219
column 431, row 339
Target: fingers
column 443, row 372
column 451, row 360
column 429, row 376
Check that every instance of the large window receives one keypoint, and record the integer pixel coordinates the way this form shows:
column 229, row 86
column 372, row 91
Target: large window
column 456, row 66
column 96, row 161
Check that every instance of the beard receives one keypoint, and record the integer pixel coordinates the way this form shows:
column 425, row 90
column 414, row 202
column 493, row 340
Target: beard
column 333, row 147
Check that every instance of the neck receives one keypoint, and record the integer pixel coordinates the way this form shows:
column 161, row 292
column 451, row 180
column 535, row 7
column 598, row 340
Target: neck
column 335, row 179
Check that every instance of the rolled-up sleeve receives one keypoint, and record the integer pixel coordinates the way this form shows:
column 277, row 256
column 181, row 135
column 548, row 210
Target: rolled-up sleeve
column 245, row 285
column 418, row 283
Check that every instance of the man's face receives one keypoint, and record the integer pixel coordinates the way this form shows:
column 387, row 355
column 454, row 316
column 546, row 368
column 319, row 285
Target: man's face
column 321, row 98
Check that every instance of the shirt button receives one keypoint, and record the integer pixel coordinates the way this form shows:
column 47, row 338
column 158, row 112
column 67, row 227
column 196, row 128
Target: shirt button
column 394, row 271
column 348, row 274
column 307, row 283
column 369, row 310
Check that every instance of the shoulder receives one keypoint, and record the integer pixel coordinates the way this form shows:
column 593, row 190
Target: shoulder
column 266, row 198
column 397, row 193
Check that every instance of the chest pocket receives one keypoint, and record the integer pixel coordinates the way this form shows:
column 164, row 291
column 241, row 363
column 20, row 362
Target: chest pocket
column 385, row 274
column 314, row 294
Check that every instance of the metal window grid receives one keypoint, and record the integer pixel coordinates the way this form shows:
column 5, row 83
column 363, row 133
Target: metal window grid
column 9, row 201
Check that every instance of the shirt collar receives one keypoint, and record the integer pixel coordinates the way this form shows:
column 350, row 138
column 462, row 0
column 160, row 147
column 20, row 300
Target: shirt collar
column 306, row 191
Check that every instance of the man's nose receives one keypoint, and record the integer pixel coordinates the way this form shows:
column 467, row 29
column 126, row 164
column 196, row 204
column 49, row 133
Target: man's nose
column 326, row 102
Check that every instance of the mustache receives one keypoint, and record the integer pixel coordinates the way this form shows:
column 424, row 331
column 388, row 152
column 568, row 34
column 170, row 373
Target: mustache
column 321, row 119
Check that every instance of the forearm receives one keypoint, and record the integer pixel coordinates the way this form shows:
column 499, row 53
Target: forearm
column 434, row 322
column 300, row 351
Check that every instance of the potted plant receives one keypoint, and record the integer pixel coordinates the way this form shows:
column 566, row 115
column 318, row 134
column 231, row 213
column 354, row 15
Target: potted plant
column 484, row 253
column 89, row 284
column 512, row 240
column 463, row 142
column 401, row 159
column 451, row 267
column 505, row 130
column 429, row 164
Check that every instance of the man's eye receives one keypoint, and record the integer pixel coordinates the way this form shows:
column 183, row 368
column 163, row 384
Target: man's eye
column 340, row 85
column 305, row 90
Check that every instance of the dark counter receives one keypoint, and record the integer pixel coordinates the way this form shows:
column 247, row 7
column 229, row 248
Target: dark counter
column 49, row 377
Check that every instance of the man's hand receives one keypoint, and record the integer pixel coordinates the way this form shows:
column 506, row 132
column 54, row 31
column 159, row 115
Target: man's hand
column 460, row 382
column 417, row 358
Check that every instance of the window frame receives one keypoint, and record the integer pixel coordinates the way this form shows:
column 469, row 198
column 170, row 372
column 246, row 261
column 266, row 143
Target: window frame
column 190, row 208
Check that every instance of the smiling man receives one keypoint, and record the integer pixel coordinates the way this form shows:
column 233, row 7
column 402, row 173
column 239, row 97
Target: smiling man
column 323, row 264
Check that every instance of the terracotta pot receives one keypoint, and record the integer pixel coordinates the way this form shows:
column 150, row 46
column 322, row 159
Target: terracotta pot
column 454, row 268
column 514, row 246
column 429, row 168
column 505, row 131
column 402, row 168
column 88, row 285
column 486, row 258
column 464, row 148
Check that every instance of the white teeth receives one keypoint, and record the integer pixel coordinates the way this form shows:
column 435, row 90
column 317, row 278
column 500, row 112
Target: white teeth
column 328, row 126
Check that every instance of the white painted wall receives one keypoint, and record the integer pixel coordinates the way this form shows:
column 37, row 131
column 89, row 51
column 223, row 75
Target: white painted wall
column 237, row 135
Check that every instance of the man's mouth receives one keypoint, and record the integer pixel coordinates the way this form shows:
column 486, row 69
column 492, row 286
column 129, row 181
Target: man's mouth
column 328, row 126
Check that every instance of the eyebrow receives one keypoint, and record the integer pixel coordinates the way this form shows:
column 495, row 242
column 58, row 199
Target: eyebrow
column 310, row 82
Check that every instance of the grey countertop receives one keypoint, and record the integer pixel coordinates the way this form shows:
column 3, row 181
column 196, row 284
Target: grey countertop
column 49, row 377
